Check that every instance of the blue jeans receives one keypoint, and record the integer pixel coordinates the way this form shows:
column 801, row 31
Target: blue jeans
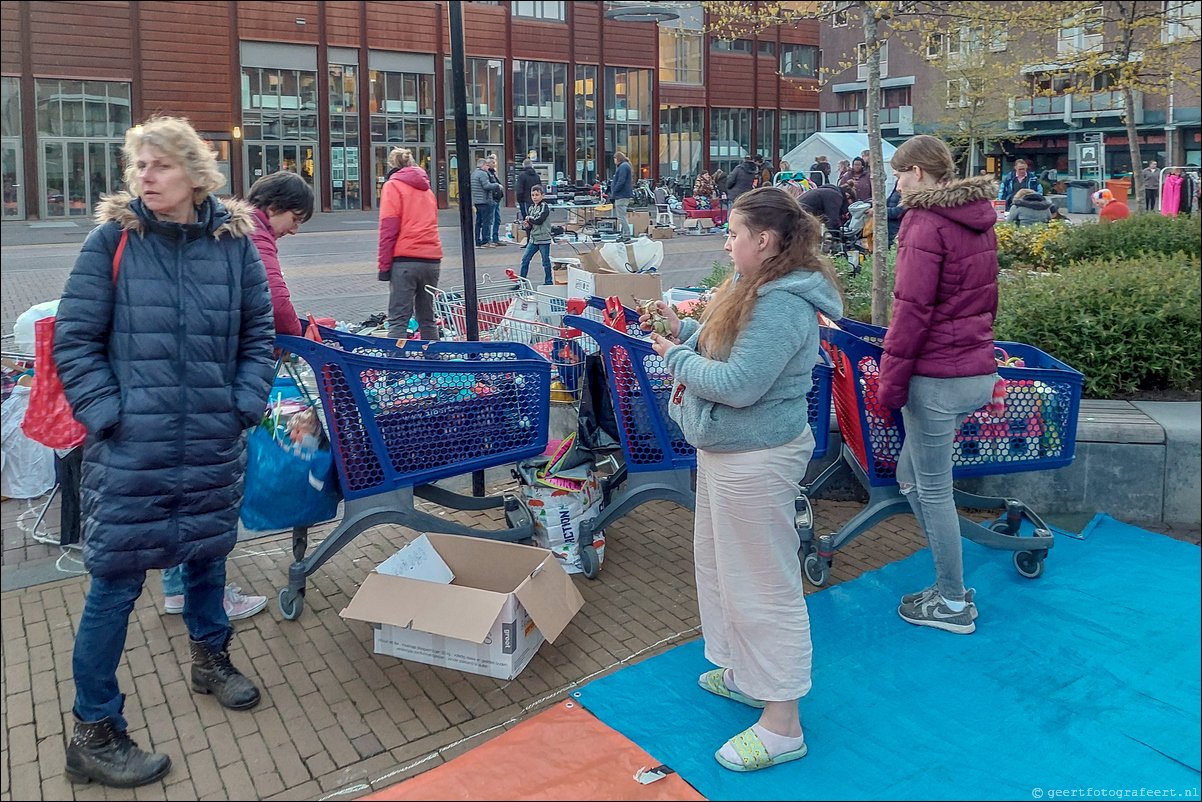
column 173, row 581
column 496, row 223
column 100, row 638
column 545, row 249
column 484, row 217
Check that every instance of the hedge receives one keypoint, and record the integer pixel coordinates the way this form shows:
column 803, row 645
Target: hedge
column 1127, row 324
column 1056, row 245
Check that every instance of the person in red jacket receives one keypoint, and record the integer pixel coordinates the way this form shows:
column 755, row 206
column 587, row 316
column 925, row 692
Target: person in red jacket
column 1108, row 207
column 938, row 363
column 410, row 250
column 282, row 202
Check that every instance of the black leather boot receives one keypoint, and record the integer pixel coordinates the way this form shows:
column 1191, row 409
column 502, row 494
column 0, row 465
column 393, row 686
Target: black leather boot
column 212, row 672
column 99, row 751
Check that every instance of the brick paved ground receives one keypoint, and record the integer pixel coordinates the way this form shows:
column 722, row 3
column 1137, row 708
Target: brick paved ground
column 336, row 720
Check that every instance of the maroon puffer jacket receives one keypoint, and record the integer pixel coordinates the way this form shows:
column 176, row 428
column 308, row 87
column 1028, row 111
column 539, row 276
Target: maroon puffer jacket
column 945, row 292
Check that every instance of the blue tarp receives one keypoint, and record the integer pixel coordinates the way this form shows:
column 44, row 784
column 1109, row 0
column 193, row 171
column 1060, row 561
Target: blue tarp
column 1086, row 678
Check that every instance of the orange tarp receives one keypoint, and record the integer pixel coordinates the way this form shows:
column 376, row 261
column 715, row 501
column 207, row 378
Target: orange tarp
column 562, row 753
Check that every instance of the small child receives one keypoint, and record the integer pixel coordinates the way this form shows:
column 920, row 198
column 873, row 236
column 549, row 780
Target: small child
column 538, row 232
column 741, row 381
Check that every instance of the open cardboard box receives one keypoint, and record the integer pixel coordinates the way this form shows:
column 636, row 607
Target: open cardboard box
column 639, row 221
column 595, row 277
column 504, row 601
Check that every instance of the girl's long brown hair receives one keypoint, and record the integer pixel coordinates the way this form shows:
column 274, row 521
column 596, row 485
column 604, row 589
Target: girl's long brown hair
column 799, row 236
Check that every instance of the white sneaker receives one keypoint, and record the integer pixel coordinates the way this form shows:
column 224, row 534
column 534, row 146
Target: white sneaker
column 173, row 604
column 239, row 605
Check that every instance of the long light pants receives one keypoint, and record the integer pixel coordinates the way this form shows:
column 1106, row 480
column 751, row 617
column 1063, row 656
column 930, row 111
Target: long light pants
column 749, row 589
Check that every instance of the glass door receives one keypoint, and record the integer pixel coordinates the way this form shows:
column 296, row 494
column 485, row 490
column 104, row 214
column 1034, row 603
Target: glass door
column 265, row 158
column 75, row 173
column 14, row 191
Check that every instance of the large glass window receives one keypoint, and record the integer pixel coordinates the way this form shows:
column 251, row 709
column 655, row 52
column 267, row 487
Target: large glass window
column 795, row 128
column 81, row 125
column 279, row 122
column 585, row 95
column 730, row 45
column 540, row 114
column 628, row 121
column 538, row 9
column 485, row 118
column 679, row 57
column 10, row 149
column 402, row 116
column 730, row 137
column 799, row 61
column 680, row 145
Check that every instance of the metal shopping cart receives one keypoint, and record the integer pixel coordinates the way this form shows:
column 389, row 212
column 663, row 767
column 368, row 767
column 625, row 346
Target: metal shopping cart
column 1038, row 431
column 397, row 423
column 493, row 300
column 658, row 460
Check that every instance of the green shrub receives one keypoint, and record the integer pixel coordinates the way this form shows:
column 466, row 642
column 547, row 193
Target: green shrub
column 1053, row 246
column 1127, row 324
column 717, row 275
column 857, row 289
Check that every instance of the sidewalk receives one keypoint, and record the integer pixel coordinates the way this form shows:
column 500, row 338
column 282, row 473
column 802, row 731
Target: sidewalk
column 335, row 716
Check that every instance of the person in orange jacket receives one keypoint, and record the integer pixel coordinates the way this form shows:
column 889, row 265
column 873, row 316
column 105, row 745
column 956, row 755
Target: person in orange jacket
column 410, row 250
column 1109, row 208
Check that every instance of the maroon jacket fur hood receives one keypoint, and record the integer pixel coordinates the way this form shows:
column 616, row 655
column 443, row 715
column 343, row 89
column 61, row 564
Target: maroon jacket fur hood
column 945, row 290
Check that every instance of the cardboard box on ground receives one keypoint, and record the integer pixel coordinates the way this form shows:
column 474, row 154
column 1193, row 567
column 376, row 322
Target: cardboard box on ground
column 640, row 221
column 662, row 232
column 517, row 233
column 502, row 601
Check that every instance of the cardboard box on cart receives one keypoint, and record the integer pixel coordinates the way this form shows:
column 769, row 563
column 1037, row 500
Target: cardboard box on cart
column 594, row 277
column 504, row 601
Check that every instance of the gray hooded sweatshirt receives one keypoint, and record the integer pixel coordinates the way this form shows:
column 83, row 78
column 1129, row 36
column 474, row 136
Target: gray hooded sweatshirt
column 756, row 399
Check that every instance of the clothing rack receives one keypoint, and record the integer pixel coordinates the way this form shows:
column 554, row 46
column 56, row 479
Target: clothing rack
column 1193, row 170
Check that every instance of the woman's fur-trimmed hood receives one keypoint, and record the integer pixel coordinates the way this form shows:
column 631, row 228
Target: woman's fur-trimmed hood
column 967, row 201
column 955, row 193
column 230, row 216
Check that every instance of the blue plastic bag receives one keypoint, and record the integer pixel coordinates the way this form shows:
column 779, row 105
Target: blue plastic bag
column 284, row 490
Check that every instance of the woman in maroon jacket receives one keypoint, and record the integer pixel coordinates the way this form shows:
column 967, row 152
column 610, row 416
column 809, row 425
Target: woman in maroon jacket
column 939, row 363
column 282, row 202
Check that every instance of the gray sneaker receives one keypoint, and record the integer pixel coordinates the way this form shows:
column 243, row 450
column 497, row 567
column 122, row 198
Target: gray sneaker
column 914, row 598
column 932, row 611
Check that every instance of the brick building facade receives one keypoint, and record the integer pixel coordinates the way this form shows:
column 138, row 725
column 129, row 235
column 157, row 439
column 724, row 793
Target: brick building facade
column 327, row 88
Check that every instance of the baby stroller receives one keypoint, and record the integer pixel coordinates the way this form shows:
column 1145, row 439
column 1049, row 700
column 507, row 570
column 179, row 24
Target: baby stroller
column 848, row 240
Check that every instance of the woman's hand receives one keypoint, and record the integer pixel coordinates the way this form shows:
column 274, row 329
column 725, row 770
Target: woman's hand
column 666, row 311
column 661, row 344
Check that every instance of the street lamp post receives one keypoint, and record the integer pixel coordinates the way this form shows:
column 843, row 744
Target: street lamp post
column 463, row 158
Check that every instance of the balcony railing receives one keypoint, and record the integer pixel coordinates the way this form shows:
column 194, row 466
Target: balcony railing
column 851, row 119
column 1090, row 103
column 843, row 119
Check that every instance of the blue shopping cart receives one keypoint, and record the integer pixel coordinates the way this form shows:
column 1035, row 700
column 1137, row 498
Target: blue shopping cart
column 1037, row 431
column 401, row 416
column 659, row 462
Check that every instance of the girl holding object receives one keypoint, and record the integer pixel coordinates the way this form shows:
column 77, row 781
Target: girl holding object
column 741, row 378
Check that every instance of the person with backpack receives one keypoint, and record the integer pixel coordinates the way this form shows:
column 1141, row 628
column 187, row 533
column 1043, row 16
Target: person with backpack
column 163, row 341
column 482, row 199
column 498, row 195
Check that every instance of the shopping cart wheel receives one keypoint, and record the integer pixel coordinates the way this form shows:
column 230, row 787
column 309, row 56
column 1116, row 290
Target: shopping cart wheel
column 292, row 604
column 817, row 570
column 1029, row 563
column 589, row 562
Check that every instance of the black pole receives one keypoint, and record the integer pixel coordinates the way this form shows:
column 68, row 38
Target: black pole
column 467, row 237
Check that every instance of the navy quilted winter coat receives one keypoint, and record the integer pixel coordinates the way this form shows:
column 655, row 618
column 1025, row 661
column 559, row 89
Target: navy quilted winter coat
column 945, row 290
column 166, row 369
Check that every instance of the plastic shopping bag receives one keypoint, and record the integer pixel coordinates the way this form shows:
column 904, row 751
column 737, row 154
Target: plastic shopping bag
column 49, row 420
column 284, row 489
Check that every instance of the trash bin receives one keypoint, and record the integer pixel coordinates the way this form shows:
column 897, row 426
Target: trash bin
column 1121, row 187
column 1079, row 201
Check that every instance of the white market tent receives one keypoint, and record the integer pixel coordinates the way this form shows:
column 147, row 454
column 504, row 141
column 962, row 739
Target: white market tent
column 836, row 146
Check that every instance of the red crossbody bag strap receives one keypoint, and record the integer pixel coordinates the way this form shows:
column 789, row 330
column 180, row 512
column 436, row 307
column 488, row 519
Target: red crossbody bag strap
column 117, row 255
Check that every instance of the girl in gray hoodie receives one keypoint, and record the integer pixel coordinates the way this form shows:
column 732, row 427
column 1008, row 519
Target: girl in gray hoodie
column 740, row 398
